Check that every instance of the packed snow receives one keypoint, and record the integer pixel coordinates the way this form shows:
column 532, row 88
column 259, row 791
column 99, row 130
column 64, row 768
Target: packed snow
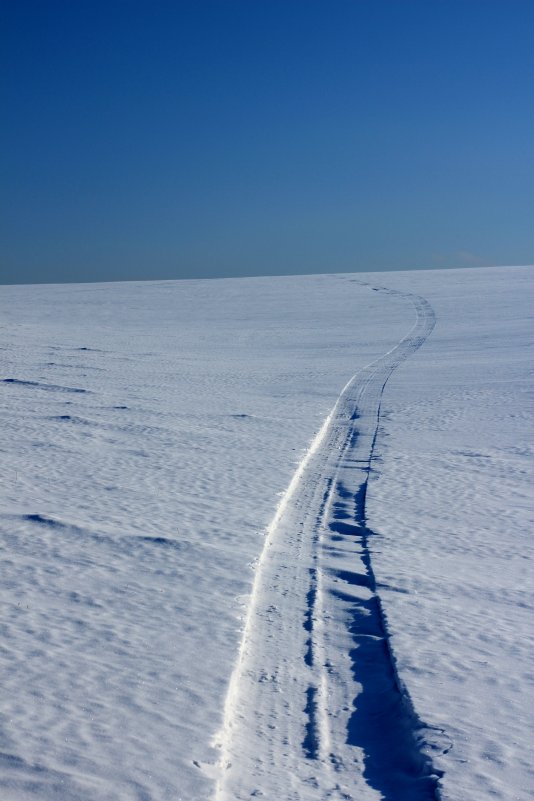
column 267, row 538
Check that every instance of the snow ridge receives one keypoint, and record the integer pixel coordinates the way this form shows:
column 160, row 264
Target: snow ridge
column 315, row 708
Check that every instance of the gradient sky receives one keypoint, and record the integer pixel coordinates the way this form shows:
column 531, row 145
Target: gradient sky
column 240, row 137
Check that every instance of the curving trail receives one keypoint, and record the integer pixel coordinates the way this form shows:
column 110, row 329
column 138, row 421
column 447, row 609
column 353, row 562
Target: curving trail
column 315, row 708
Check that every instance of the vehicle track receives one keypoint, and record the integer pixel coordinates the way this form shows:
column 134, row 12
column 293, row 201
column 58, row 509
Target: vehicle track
column 315, row 707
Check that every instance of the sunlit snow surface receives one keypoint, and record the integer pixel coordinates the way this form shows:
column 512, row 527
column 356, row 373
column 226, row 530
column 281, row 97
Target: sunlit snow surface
column 452, row 501
column 147, row 431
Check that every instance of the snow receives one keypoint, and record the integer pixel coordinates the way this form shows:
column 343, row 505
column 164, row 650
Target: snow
column 315, row 630
column 452, row 501
column 179, row 608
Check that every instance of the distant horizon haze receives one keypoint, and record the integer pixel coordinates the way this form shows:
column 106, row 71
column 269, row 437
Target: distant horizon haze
column 197, row 277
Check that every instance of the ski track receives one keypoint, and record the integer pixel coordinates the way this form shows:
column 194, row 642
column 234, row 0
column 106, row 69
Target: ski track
column 315, row 708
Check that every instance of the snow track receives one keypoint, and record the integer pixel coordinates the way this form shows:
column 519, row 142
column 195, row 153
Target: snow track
column 315, row 708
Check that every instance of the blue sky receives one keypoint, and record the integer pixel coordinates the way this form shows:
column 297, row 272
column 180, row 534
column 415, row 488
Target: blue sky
column 241, row 137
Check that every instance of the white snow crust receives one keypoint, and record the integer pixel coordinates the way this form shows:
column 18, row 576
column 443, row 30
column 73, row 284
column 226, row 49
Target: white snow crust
column 149, row 434
column 451, row 498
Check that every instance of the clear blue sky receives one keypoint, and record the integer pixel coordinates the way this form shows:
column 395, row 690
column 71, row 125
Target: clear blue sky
column 240, row 137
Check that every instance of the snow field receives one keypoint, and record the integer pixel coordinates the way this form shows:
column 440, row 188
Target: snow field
column 451, row 497
column 132, row 511
column 149, row 435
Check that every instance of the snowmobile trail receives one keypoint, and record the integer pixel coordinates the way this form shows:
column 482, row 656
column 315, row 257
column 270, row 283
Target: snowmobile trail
column 315, row 708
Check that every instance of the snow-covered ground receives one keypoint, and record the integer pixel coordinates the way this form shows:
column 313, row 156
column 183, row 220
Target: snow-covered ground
column 154, row 440
column 452, row 501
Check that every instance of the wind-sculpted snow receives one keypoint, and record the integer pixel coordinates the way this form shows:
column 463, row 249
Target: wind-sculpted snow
column 131, row 513
column 152, row 437
column 316, row 708
column 452, row 500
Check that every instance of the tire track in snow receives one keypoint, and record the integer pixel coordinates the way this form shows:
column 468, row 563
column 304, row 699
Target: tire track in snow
column 315, row 708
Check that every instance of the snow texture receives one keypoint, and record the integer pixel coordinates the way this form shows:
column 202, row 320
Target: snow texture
column 267, row 538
